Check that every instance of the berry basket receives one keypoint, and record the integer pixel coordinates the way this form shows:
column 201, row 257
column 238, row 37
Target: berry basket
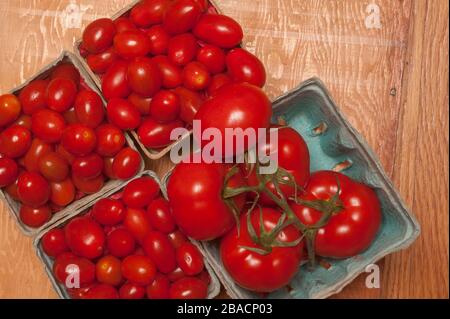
column 333, row 144
column 14, row 206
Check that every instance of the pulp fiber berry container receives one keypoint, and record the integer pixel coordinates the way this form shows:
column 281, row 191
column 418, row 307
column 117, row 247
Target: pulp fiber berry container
column 333, row 144
column 13, row 205
column 213, row 289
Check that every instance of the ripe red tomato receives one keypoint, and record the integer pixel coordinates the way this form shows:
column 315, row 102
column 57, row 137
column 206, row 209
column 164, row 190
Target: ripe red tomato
column 149, row 12
column 156, row 135
column 108, row 212
column 165, row 106
column 203, row 4
column 33, row 189
column 54, row 243
column 88, row 186
column 108, row 270
column 177, row 238
column 79, row 139
column 9, row 170
column 62, row 193
column 182, row 49
column 88, row 167
column 35, row 216
column 132, row 44
column 189, row 288
column 110, row 140
column 218, row 81
column 139, row 269
column 158, row 247
column 64, row 153
column 196, row 76
column 245, row 67
column 48, row 125
column 24, row 121
column 11, row 189
column 349, row 231
column 124, row 24
column 141, row 103
column 159, row 288
column 137, row 223
column 175, row 275
column 61, row 94
column 107, row 167
column 199, row 186
column 32, row 97
column 85, row 237
column 53, row 167
column 144, row 76
column 15, row 141
column 190, row 259
column 66, row 70
column 100, row 291
column 98, row 35
column 219, row 30
column 190, row 103
column 159, row 40
column 160, row 216
column 140, row 192
column 120, row 242
column 126, row 163
column 10, row 109
column 131, row 291
column 89, row 108
column 261, row 272
column 100, row 62
column 68, row 264
column 172, row 75
column 212, row 57
column 181, row 16
column 37, row 149
column 123, row 114
column 114, row 82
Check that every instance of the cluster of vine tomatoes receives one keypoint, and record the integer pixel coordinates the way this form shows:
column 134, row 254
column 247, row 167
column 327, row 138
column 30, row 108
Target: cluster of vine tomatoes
column 161, row 61
column 127, row 246
column 56, row 145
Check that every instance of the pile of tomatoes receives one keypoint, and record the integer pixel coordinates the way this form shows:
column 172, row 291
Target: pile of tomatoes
column 127, row 246
column 162, row 60
column 56, row 145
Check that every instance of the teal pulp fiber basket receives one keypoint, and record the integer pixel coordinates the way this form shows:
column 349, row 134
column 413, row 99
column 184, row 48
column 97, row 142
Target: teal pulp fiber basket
column 309, row 109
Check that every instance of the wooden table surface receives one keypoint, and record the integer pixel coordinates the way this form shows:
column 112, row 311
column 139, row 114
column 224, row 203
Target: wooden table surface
column 385, row 63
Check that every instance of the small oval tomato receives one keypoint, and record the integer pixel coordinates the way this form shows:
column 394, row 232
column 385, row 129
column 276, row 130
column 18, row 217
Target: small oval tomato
column 158, row 247
column 160, row 216
column 148, row 12
column 24, row 121
column 131, row 291
column 140, row 192
column 175, row 275
column 124, row 24
column 110, row 140
column 182, row 49
column 107, row 167
column 54, row 243
column 156, row 135
column 212, row 57
column 64, row 153
column 172, row 75
column 10, row 109
column 190, row 103
column 159, row 40
column 35, row 216
column 62, row 193
column 100, row 291
column 217, row 82
column 190, row 259
column 245, row 67
column 181, row 16
column 37, row 149
column 66, row 70
column 100, row 62
column 70, row 116
column 144, row 76
column 89, row 108
column 120, row 242
column 203, row 4
column 88, row 186
column 126, row 163
column 123, row 114
column 60, row 94
column 141, row 103
column 177, row 238
column 196, row 76
column 32, row 96
column 99, row 35
column 132, row 44
column 53, row 167
column 85, row 237
column 188, row 288
column 165, row 106
column 219, row 30
column 108, row 211
column 68, row 264
column 48, row 125
column 139, row 269
column 108, row 270
column 159, row 288
column 33, row 189
column 88, row 167
column 15, row 141
column 79, row 139
column 137, row 223
column 114, row 82
column 9, row 170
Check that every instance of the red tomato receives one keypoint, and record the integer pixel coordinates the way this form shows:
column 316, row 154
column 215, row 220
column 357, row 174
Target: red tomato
column 132, row 44
column 190, row 259
column 120, row 242
column 141, row 103
column 177, row 238
column 62, row 193
column 165, row 106
column 100, row 62
column 53, row 167
column 68, row 71
column 131, row 291
column 108, row 270
column 110, row 140
column 190, row 103
column 156, row 135
column 144, row 76
column 205, row 277
column 159, row 40
column 48, row 125
column 24, row 121
column 172, row 75
column 137, row 223
column 261, row 272
column 203, row 4
column 126, row 163
column 149, row 12
column 199, row 186
column 54, row 243
column 196, row 76
column 88, row 186
column 33, row 189
column 350, row 230
column 245, row 67
column 181, row 16
column 35, row 216
column 79, row 139
column 64, row 153
column 124, row 24
column 218, row 81
column 70, row 116
column 108, row 212
column 11, row 189
column 100, row 291
column 160, row 250
column 159, row 288
column 140, row 192
column 32, row 97
column 175, row 275
column 189, row 288
column 15, row 141
column 182, row 49
column 123, row 114
column 114, row 82
column 37, row 149
column 107, row 167
column 68, row 264
column 98, row 35
column 88, row 167
column 8, row 171
column 139, row 269
column 85, row 237
column 89, row 108
column 219, row 30
column 10, row 109
column 212, row 57
column 61, row 94
column 160, row 216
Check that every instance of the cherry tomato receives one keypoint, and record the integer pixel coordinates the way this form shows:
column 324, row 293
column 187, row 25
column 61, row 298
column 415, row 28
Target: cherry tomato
column 159, row 40
column 98, row 35
column 108, row 270
column 88, row 167
column 100, row 291
column 123, row 114
column 35, row 216
column 8, row 171
column 212, row 57
column 120, row 242
column 54, row 243
column 351, row 229
column 53, row 167
column 11, row 189
column 203, row 4
column 175, row 275
column 88, row 186
column 10, row 109
column 149, row 12
column 190, row 259
column 68, row 71
column 15, row 141
column 110, row 140
column 218, row 81
column 100, row 62
column 114, row 82
column 144, row 76
column 188, row 288
column 159, row 288
column 24, row 121
column 165, row 106
column 33, row 189
column 124, row 24
column 131, row 291
column 140, row 192
column 156, row 135
column 190, row 103
column 177, row 238
column 132, row 44
column 205, row 277
column 79, row 139
column 70, row 116
column 158, row 247
column 182, row 49
column 107, row 167
column 89, row 108
column 172, row 75
column 108, row 211
column 68, row 264
column 32, row 96
column 160, row 216
column 139, row 269
column 63, row 193
column 219, row 30
column 141, row 103
column 85, row 237
column 181, row 16
column 60, row 94
column 196, row 76
column 64, row 153
column 245, row 67
column 48, row 125
column 137, row 223
column 126, row 163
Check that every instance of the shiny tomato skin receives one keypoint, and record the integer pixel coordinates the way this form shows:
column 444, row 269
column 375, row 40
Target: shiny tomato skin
column 190, row 103
column 78, row 139
column 149, row 12
column 217, row 82
column 68, row 71
column 165, row 106
column 89, row 166
column 175, row 275
column 100, row 62
column 196, row 76
column 24, row 121
column 159, row 40
column 159, row 288
column 160, row 216
column 190, row 259
column 123, row 114
column 158, row 247
column 62, row 193
column 33, row 189
column 37, row 149
column 255, row 271
column 140, row 192
column 136, row 222
column 177, row 238
column 156, row 135
column 15, row 141
column 60, row 94
column 219, row 30
column 124, row 24
column 70, row 116
column 132, row 44
column 108, row 270
column 48, row 125
column 10, row 108
column 110, row 140
column 88, row 186
column 34, row 216
column 120, row 242
column 141, row 103
column 131, row 291
column 212, row 57
column 98, row 35
column 126, row 163
column 107, row 168
column 114, row 82
column 32, row 96
column 139, row 269
column 53, row 167
column 188, row 288
column 350, row 231
column 181, row 16
column 54, row 242
column 65, row 154
column 9, row 171
column 182, row 49
column 85, row 237
column 144, row 76
column 100, row 291
column 89, row 108
column 172, row 75
column 108, row 212
column 61, row 269
column 245, row 67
